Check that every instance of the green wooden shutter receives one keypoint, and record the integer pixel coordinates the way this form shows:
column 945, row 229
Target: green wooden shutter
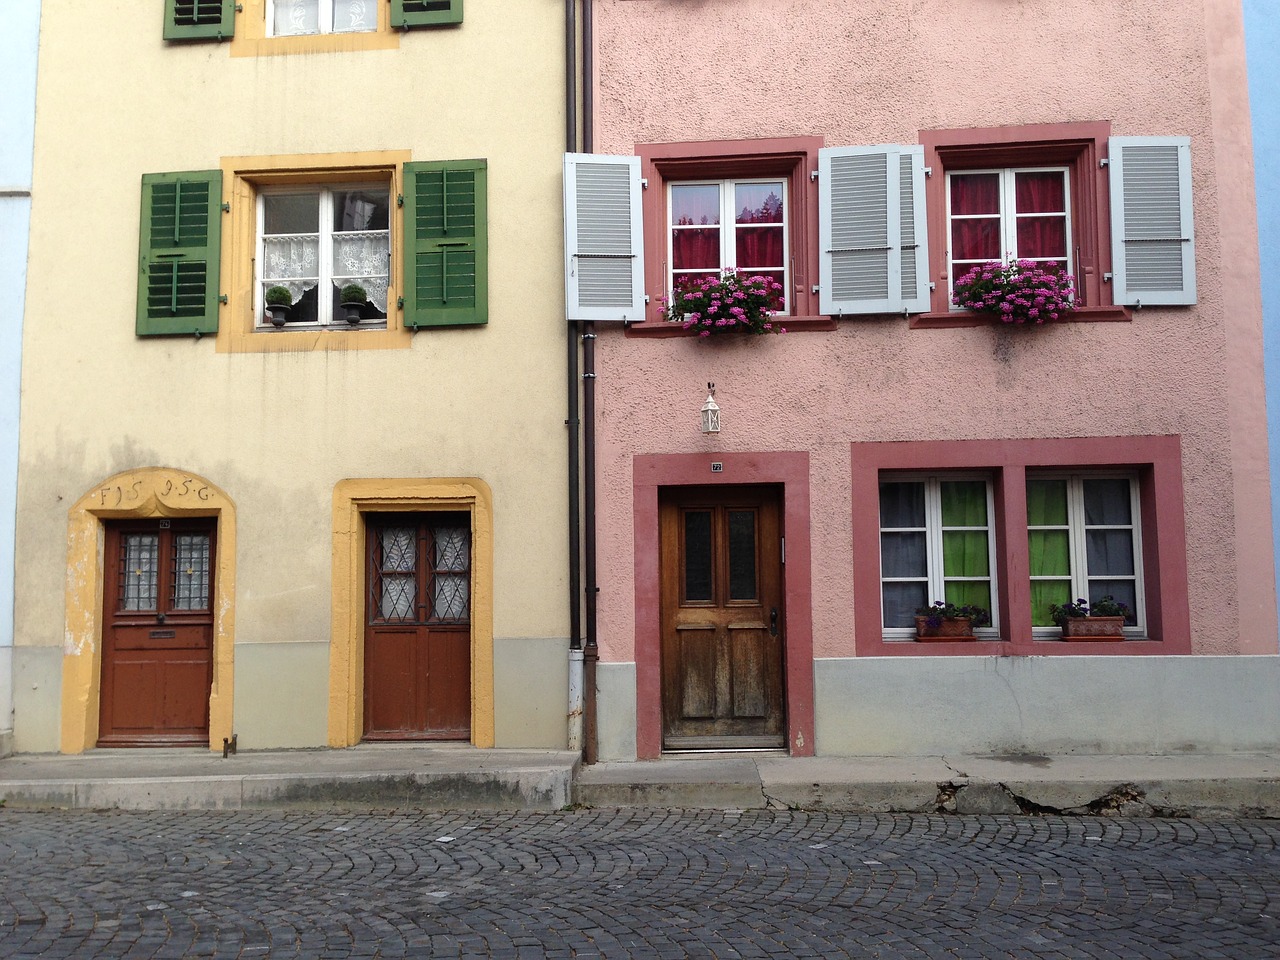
column 199, row 19
column 445, row 243
column 180, row 252
column 425, row 13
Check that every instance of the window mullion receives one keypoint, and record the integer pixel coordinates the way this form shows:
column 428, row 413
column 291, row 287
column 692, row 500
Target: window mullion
column 728, row 228
column 1008, row 215
column 325, row 15
column 324, row 269
column 1077, row 540
column 933, row 538
column 260, row 259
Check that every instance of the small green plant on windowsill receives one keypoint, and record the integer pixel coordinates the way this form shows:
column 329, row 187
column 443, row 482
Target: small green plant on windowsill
column 279, row 300
column 353, row 298
column 1104, row 619
column 944, row 619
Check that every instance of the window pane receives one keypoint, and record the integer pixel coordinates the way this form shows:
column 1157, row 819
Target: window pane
column 964, row 553
column 1047, row 503
column 1050, row 553
column 449, row 595
column 975, row 193
column 398, row 598
column 697, row 555
column 742, row 555
column 1043, row 192
column 901, row 600
column 759, row 248
column 360, row 209
column 291, row 213
column 967, row 593
column 1110, row 552
column 295, row 17
column 1106, row 502
column 1042, row 237
column 964, row 503
column 902, row 504
column 350, row 16
column 758, row 202
column 695, row 249
column 975, row 240
column 141, row 571
column 1124, row 591
column 695, row 203
column 1044, row 594
column 399, row 549
column 191, row 572
column 903, row 555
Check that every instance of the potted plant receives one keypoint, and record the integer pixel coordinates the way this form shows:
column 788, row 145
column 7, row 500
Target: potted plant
column 353, row 298
column 943, row 620
column 1104, row 620
column 732, row 302
column 1021, row 293
column 279, row 300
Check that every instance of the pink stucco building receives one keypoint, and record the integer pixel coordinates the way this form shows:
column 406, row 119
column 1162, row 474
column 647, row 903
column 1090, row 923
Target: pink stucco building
column 758, row 586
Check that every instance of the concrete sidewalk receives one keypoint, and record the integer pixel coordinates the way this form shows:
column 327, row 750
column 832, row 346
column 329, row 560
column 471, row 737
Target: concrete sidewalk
column 457, row 776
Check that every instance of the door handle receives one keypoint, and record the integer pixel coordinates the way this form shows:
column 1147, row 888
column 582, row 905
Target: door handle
column 773, row 622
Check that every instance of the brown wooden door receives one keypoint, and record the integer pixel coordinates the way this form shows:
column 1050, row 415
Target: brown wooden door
column 157, row 645
column 417, row 644
column 722, row 643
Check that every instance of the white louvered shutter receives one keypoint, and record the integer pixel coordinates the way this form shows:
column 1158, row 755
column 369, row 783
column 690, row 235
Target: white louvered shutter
column 603, row 238
column 873, row 247
column 1153, row 250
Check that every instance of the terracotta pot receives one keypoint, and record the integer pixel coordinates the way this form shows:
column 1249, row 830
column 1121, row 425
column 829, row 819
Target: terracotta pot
column 955, row 628
column 1093, row 628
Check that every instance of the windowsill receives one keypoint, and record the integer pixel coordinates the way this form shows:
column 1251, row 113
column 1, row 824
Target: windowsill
column 968, row 318
column 659, row 329
column 1034, row 647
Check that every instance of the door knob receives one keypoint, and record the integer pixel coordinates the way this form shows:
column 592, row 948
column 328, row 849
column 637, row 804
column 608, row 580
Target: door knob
column 773, row 622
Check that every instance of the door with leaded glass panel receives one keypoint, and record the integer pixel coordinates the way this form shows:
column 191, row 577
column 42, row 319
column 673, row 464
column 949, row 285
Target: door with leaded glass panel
column 417, row 647
column 157, row 650
column 722, row 618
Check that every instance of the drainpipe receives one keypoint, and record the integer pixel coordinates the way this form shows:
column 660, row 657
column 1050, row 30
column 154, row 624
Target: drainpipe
column 571, row 418
column 591, row 655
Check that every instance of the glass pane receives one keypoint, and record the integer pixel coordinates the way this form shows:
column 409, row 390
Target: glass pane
column 695, row 249
column 1047, row 503
column 975, row 193
column 1050, row 553
column 1124, row 591
column 975, row 240
column 191, row 572
column 294, row 17
column 964, row 503
column 695, row 204
column 1042, row 237
column 1106, row 502
column 697, row 555
column 450, row 593
column 903, row 555
column 351, row 16
column 399, row 596
column 1043, row 192
column 968, row 593
column 902, row 504
column 758, row 202
column 141, row 571
column 1110, row 552
column 1044, row 594
column 742, row 555
column 901, row 601
column 360, row 209
column 759, row 248
column 452, row 548
column 964, row 554
column 291, row 213
column 399, row 549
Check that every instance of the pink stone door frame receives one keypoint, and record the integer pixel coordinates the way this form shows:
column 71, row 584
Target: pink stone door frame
column 790, row 471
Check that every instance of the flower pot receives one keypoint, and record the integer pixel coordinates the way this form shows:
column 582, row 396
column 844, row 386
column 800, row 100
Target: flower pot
column 953, row 628
column 278, row 315
column 352, row 312
column 1093, row 628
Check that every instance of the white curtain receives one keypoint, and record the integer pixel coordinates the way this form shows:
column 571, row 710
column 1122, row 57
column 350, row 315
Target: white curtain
column 297, row 17
column 292, row 262
column 362, row 257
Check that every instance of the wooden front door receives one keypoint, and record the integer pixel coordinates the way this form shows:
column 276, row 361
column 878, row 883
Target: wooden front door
column 417, row 642
column 722, row 617
column 157, row 644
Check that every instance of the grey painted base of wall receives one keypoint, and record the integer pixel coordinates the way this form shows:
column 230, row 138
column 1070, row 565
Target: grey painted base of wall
column 281, row 695
column 6, row 700
column 913, row 706
column 616, row 711
column 37, row 699
column 531, row 692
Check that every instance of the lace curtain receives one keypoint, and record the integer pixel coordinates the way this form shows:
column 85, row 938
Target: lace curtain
column 359, row 256
column 296, row 17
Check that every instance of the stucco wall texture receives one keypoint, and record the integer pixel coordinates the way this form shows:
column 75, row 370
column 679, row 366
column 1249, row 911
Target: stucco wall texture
column 858, row 73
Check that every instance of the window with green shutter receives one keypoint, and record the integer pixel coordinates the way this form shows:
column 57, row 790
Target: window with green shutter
column 445, row 244
column 199, row 19
column 407, row 14
column 179, row 253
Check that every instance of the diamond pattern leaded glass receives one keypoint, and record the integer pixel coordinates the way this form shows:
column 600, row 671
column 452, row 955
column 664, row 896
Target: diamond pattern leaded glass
column 451, row 585
column 190, row 572
column 428, row 563
column 139, row 584
column 398, row 590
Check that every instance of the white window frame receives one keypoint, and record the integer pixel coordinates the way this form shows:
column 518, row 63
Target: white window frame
column 1078, row 541
column 324, row 304
column 324, row 19
column 1008, row 224
column 728, row 227
column 933, row 531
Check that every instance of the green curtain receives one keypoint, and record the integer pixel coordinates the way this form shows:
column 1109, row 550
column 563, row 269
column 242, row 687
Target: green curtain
column 1044, row 594
column 969, row 593
column 964, row 503
column 1047, row 503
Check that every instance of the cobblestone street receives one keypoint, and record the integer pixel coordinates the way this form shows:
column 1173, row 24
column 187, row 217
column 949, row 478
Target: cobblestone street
column 639, row 883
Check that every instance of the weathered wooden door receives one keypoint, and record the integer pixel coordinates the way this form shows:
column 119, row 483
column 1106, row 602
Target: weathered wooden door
column 722, row 643
column 417, row 645
column 157, row 644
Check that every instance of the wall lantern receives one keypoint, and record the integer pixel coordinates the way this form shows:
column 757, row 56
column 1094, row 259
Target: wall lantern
column 711, row 411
